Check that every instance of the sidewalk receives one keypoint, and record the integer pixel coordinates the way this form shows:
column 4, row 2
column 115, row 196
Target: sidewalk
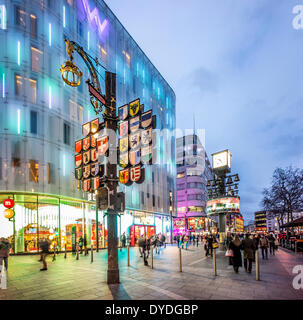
column 80, row 279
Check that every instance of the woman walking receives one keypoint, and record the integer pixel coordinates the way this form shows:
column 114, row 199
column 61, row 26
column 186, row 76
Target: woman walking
column 4, row 252
column 236, row 246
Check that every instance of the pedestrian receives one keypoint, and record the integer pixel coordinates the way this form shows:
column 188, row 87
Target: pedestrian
column 163, row 240
column 143, row 247
column 123, row 239
column 277, row 244
column 178, row 240
column 4, row 252
column 197, row 241
column 182, row 241
column 249, row 252
column 229, row 239
column 128, row 240
column 236, row 246
column 272, row 244
column 80, row 243
column 264, row 246
column 85, row 245
column 210, row 241
column 44, row 245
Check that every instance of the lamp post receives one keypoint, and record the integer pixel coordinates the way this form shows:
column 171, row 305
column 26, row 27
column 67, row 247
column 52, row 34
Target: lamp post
column 98, row 101
column 224, row 185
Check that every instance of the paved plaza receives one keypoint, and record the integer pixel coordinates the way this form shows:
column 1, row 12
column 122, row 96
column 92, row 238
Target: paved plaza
column 71, row 279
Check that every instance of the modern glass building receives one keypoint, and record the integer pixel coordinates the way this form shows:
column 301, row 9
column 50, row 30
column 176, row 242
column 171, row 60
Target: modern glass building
column 41, row 117
column 193, row 172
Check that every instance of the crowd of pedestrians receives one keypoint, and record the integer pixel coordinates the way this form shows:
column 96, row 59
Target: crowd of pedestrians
column 154, row 242
column 248, row 244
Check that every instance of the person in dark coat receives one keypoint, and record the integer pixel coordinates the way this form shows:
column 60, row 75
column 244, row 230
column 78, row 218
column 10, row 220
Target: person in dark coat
column 249, row 252
column 236, row 246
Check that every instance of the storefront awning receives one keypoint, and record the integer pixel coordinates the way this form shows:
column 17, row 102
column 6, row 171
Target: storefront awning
column 295, row 223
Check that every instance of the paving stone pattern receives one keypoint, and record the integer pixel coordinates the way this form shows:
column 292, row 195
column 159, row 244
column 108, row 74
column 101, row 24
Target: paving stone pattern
column 71, row 279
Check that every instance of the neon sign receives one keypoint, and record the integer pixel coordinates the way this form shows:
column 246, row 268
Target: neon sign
column 93, row 17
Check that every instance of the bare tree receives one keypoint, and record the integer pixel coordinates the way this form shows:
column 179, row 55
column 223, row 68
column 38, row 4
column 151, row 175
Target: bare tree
column 285, row 195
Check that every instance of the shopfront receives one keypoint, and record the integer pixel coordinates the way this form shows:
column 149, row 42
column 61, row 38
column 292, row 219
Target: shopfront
column 60, row 220
column 64, row 220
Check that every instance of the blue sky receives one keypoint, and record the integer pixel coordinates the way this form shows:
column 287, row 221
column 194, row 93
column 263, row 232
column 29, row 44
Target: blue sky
column 238, row 66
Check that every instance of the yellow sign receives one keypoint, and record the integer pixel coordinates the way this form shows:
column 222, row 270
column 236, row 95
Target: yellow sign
column 9, row 213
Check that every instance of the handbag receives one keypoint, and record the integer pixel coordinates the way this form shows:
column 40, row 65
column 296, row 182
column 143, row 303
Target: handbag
column 229, row 253
column 215, row 245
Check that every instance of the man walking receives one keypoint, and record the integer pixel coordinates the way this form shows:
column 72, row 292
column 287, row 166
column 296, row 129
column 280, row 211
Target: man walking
column 264, row 247
column 44, row 245
column 249, row 250
column 123, row 239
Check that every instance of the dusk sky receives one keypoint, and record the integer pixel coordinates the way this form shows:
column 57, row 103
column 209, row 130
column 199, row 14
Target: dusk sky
column 238, row 66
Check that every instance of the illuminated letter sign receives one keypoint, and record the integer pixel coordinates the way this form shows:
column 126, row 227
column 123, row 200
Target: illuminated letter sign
column 93, row 16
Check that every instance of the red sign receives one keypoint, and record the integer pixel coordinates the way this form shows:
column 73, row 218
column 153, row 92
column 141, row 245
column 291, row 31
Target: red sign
column 8, row 203
column 96, row 94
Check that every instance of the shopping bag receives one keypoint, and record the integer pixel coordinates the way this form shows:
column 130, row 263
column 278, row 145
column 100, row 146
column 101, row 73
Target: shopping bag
column 229, row 253
column 215, row 245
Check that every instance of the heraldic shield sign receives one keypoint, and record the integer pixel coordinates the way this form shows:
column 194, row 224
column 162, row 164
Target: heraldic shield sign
column 86, row 157
column 86, row 185
column 123, row 159
column 134, row 107
column 86, row 143
column 137, row 174
column 124, row 177
column 78, row 146
column 78, row 160
column 94, row 125
column 93, row 155
column 134, row 124
column 134, row 157
column 86, row 129
column 123, row 128
column 123, row 112
column 78, row 173
column 146, row 136
column 93, row 141
column 102, row 145
column 86, row 171
column 146, row 119
column 123, row 144
column 134, row 140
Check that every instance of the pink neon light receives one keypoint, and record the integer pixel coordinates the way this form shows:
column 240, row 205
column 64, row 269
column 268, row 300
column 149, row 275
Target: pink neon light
column 94, row 16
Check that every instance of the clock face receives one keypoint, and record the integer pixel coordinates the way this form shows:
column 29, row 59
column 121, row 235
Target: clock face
column 219, row 160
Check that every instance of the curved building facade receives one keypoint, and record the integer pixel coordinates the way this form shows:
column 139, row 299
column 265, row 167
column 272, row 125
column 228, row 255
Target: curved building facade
column 41, row 118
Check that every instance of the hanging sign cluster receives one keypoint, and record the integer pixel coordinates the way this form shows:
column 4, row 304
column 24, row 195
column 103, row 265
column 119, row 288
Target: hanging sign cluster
column 135, row 141
column 88, row 170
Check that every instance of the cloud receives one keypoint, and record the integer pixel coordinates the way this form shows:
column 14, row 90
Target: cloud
column 205, row 80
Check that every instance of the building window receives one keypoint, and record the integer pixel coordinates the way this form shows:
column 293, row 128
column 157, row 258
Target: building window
column 154, row 200
column 34, row 122
column 181, row 209
column 73, row 110
column 16, row 162
column 79, row 28
column 36, row 59
column 33, row 26
column 33, row 171
column 194, row 197
column 66, row 133
column 180, row 175
column 33, row 90
column 181, row 186
column 20, row 17
column 195, row 209
column 18, row 85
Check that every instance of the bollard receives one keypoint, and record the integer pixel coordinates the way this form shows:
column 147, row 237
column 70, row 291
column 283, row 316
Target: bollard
column 65, row 252
column 77, row 256
column 92, row 253
column 214, row 262
column 180, row 260
column 128, row 255
column 152, row 258
column 257, row 266
column 54, row 256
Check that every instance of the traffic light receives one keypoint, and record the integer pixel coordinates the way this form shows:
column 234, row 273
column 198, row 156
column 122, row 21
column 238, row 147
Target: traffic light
column 102, row 199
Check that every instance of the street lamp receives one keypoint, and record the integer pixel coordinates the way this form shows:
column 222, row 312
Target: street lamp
column 71, row 75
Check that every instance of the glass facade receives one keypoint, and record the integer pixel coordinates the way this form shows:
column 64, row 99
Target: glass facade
column 41, row 117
